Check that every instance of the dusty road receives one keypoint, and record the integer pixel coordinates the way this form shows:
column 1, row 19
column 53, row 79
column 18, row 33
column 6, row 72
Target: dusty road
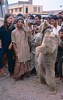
column 27, row 89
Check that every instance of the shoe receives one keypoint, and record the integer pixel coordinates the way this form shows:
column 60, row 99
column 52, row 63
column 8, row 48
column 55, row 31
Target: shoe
column 2, row 74
column 27, row 74
column 22, row 77
column 19, row 78
column 8, row 75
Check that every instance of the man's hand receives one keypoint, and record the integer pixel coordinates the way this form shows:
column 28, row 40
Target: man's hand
column 37, row 51
column 16, row 55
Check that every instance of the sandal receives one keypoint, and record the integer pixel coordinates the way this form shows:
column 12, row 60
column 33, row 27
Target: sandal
column 2, row 74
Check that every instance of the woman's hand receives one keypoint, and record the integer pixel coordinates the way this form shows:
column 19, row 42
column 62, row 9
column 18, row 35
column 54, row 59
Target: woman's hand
column 10, row 46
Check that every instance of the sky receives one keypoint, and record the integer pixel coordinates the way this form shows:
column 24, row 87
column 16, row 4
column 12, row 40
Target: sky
column 47, row 4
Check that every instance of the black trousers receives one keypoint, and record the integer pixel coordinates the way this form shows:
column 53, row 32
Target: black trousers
column 11, row 61
column 59, row 69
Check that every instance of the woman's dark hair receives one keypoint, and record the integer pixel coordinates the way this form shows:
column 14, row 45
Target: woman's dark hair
column 5, row 22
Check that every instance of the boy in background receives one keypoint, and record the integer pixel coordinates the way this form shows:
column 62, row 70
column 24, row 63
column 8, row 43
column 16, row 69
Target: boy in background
column 60, row 55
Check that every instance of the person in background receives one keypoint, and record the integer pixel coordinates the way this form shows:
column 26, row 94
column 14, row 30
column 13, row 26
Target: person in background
column 61, row 13
column 54, row 23
column 32, row 45
column 60, row 19
column 60, row 55
column 56, row 28
column 62, row 25
column 48, row 19
column 6, row 45
column 38, row 20
column 14, row 23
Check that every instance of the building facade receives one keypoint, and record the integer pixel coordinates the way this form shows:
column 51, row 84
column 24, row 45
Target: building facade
column 25, row 7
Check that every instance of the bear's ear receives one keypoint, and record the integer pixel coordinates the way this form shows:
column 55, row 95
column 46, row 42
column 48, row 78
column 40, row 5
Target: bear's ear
column 45, row 21
column 47, row 24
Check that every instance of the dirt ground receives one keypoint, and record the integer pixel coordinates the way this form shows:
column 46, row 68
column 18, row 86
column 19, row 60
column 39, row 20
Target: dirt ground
column 28, row 89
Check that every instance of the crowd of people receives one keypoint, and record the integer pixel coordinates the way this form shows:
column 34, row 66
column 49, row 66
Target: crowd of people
column 17, row 44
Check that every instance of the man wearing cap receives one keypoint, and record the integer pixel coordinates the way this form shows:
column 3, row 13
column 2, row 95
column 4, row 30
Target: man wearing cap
column 21, row 48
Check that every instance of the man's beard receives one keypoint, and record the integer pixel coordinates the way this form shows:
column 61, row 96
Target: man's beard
column 20, row 27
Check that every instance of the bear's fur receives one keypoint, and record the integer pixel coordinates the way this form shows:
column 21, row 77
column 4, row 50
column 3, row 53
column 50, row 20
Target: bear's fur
column 46, row 55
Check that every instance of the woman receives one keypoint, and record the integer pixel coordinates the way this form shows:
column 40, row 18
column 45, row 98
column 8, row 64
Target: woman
column 6, row 45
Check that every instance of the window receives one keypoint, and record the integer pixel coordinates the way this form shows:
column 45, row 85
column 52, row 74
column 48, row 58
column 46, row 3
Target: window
column 15, row 9
column 11, row 10
column 38, row 9
column 20, row 9
column 26, row 9
column 35, row 9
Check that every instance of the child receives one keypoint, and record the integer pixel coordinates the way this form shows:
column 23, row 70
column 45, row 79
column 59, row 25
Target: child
column 60, row 55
